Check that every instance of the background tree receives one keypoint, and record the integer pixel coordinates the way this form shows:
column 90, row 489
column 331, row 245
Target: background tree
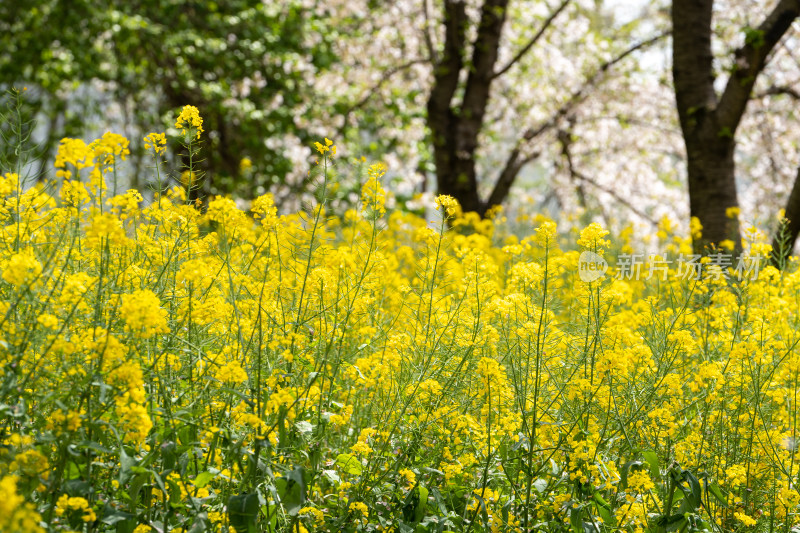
column 242, row 63
column 709, row 120
column 456, row 109
column 572, row 107
column 486, row 86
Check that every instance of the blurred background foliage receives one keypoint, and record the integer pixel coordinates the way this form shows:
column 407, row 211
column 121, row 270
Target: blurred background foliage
column 233, row 59
column 569, row 102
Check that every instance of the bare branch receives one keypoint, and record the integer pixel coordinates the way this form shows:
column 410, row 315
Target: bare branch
column 385, row 77
column 505, row 180
column 564, row 139
column 750, row 61
column 427, row 33
column 780, row 90
column 516, row 161
column 578, row 96
column 530, row 44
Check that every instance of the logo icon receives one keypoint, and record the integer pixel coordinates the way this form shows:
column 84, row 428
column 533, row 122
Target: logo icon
column 591, row 266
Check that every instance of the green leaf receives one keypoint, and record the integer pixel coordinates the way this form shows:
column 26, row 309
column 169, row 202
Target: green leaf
column 415, row 505
column 607, row 516
column 126, row 462
column 112, row 516
column 674, row 522
column 690, row 487
column 203, row 479
column 243, row 512
column 652, row 460
column 292, row 490
column 331, row 476
column 422, row 507
column 199, row 525
column 604, row 510
column 696, row 490
column 575, row 521
column 715, row 491
column 72, row 471
column 349, row 464
column 304, row 427
column 271, row 512
column 136, row 486
column 626, row 468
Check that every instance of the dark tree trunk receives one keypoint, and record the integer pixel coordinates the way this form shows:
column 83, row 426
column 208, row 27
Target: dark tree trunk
column 709, row 121
column 455, row 129
column 712, row 187
column 783, row 241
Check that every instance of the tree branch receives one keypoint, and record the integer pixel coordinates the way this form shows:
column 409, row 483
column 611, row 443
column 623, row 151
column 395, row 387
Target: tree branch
column 428, row 38
column 516, row 161
column 780, row 90
column 505, row 180
column 530, row 44
column 385, row 77
column 578, row 96
column 750, row 61
column 575, row 174
column 783, row 243
column 484, row 56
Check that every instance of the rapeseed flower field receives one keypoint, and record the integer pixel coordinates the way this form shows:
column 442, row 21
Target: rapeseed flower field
column 172, row 367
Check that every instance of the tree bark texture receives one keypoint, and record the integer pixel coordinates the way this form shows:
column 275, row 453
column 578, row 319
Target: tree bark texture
column 709, row 121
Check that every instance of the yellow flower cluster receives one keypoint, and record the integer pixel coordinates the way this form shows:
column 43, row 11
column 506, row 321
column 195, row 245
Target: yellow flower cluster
column 359, row 508
column 448, row 204
column 327, row 148
column 373, row 196
column 179, row 360
column 73, row 152
column 592, row 237
column 190, row 122
column 143, row 314
column 16, row 516
column 22, row 269
column 109, row 147
column 67, row 505
column 156, row 142
column 231, row 373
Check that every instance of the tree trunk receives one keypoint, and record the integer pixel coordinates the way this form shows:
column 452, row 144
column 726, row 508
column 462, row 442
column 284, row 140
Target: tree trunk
column 712, row 188
column 784, row 240
column 455, row 129
column 709, row 121
column 709, row 148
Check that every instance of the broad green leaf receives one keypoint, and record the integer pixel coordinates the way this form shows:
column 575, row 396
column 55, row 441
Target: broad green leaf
column 203, row 479
column 292, row 490
column 349, row 464
column 422, row 503
column 652, row 460
column 575, row 520
column 304, row 427
column 126, row 462
column 243, row 512
column 714, row 489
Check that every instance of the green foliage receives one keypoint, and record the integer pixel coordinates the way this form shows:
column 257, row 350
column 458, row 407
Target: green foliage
column 240, row 62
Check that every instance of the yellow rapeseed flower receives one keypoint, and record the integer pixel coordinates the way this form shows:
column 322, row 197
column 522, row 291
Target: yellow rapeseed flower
column 373, row 196
column 189, row 121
